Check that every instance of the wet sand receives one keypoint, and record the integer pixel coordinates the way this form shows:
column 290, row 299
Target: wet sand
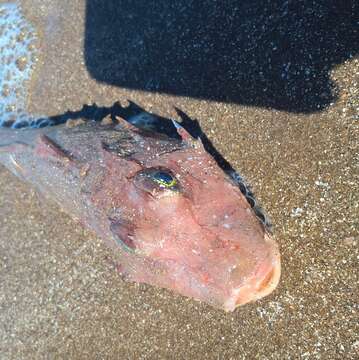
column 60, row 294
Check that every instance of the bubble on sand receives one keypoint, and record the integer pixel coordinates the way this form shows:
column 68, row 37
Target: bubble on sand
column 17, row 39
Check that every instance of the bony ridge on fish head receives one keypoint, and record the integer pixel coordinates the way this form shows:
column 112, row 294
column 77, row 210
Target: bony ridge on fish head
column 196, row 225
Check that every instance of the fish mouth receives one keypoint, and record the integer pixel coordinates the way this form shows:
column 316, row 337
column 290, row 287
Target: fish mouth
column 264, row 281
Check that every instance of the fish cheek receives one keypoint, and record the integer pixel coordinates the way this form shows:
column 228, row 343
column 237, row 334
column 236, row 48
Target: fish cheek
column 123, row 234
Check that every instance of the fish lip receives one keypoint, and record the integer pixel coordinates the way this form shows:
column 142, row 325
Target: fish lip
column 261, row 284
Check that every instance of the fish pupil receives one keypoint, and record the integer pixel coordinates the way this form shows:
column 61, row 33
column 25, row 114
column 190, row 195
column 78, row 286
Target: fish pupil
column 163, row 178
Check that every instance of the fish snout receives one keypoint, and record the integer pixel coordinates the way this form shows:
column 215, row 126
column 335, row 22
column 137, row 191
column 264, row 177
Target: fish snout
column 261, row 287
column 261, row 283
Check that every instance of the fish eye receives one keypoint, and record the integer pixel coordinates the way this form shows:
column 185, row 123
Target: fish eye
column 163, row 178
column 156, row 180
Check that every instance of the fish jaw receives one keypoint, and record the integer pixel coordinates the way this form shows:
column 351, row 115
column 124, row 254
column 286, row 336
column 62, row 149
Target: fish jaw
column 262, row 284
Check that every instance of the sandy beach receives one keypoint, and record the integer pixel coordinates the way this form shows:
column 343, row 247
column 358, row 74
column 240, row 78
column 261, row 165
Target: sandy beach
column 60, row 295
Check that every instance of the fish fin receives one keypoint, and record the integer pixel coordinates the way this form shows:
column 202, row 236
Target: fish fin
column 47, row 148
column 247, row 193
column 182, row 132
column 187, row 137
column 123, row 235
column 125, row 124
column 199, row 144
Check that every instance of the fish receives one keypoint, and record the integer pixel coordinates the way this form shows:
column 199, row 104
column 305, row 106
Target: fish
column 172, row 217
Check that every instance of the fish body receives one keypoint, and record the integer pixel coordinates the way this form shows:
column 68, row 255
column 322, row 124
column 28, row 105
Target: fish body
column 171, row 215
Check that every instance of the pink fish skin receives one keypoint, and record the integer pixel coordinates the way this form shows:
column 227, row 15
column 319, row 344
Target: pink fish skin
column 171, row 215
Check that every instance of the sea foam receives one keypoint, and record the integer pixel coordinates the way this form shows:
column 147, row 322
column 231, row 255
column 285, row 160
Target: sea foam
column 17, row 60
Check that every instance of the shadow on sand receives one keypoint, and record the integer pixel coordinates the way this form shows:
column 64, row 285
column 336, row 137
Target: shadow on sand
column 268, row 53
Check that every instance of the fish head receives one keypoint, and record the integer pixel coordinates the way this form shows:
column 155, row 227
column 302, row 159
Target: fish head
column 192, row 221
